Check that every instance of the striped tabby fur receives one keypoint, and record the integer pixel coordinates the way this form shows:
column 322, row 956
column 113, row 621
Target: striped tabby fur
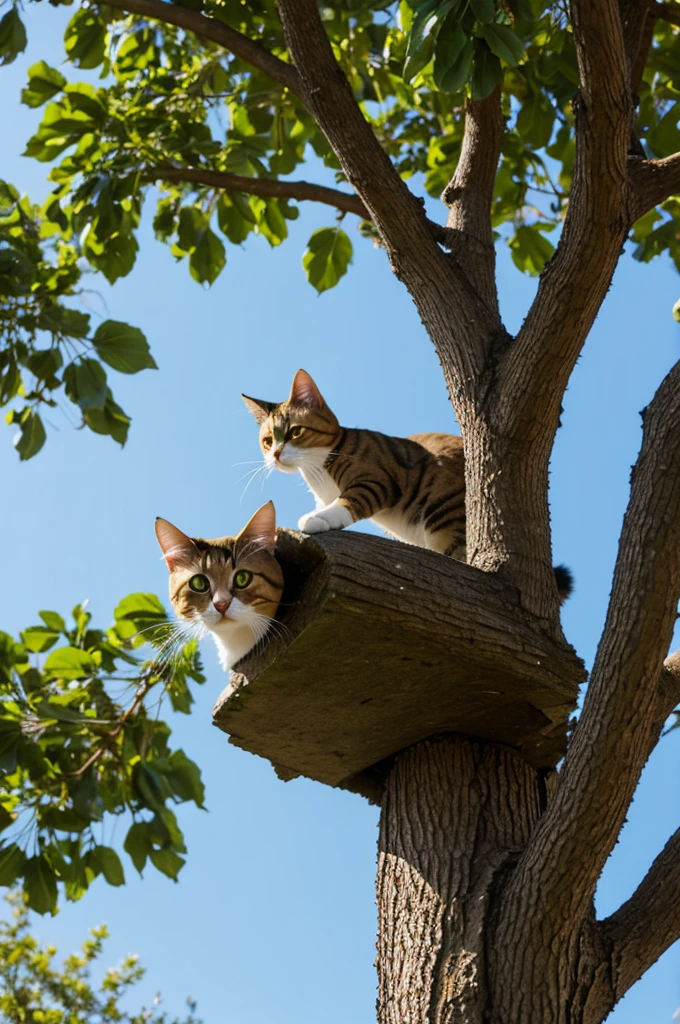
column 229, row 587
column 413, row 487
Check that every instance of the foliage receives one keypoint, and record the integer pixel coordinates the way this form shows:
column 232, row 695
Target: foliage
column 33, row 989
column 81, row 743
column 169, row 99
column 39, row 272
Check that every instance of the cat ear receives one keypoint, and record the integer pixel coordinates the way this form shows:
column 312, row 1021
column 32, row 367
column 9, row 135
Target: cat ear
column 262, row 527
column 260, row 410
column 176, row 546
column 305, row 392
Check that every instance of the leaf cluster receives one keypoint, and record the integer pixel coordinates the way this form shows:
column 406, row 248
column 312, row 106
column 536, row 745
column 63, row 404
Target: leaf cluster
column 82, row 742
column 48, row 349
column 33, row 988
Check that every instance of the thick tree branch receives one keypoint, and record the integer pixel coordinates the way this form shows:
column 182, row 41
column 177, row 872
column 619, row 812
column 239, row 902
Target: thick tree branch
column 667, row 12
column 648, row 923
column 651, row 182
column 209, row 28
column 459, row 319
column 630, row 694
column 300, row 190
column 469, row 194
column 575, row 282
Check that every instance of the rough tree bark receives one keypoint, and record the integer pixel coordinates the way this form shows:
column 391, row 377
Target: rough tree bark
column 487, row 870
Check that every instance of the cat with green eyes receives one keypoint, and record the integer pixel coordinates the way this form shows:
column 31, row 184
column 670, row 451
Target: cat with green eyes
column 228, row 588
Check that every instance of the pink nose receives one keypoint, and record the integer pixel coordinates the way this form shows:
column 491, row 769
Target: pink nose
column 277, row 454
column 222, row 606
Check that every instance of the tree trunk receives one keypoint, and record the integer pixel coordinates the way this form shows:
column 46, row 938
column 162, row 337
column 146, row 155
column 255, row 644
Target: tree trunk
column 454, row 817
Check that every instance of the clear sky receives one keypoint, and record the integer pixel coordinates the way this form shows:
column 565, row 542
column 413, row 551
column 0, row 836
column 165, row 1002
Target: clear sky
column 273, row 918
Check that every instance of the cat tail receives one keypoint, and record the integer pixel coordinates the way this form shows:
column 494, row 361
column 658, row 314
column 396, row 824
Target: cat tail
column 564, row 579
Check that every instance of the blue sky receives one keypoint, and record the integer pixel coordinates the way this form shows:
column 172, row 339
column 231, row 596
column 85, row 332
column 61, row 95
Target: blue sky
column 275, row 907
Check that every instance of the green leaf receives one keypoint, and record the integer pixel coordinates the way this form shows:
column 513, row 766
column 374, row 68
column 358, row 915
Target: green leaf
column 40, row 885
column 502, row 41
column 483, row 10
column 69, row 663
column 64, row 820
column 328, row 254
column 12, row 861
column 123, row 347
column 45, row 363
column 109, row 420
column 141, row 608
column 53, row 621
column 44, row 82
column 535, row 121
column 450, row 44
column 530, row 250
column 12, row 36
column 37, row 639
column 85, row 384
column 423, row 35
column 208, row 258
column 168, row 862
column 185, row 778
column 138, row 844
column 6, row 819
column 487, row 73
column 85, row 39
column 664, row 138
column 109, row 864
column 31, row 437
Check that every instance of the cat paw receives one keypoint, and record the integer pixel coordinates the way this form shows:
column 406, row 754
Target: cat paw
column 333, row 517
column 313, row 523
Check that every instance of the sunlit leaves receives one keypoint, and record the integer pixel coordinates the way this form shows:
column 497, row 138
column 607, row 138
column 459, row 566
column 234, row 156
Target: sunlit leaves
column 44, row 82
column 328, row 255
column 76, row 747
column 48, row 348
column 85, row 38
column 34, row 988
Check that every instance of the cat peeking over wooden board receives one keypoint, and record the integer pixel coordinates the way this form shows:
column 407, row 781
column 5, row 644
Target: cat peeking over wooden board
column 413, row 487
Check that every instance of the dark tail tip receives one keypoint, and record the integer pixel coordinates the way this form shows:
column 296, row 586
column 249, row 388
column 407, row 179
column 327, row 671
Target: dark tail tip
column 565, row 582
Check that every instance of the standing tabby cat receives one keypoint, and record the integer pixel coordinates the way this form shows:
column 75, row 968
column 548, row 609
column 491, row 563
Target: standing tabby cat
column 413, row 487
column 229, row 587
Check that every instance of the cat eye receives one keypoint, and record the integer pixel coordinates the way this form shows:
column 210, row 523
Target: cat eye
column 267, row 442
column 296, row 431
column 199, row 584
column 242, row 578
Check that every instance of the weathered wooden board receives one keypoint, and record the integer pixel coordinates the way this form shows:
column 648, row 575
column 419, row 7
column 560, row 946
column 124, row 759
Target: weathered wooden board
column 383, row 644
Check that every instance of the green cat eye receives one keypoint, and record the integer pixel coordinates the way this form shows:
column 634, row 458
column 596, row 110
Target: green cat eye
column 296, row 431
column 199, row 584
column 242, row 578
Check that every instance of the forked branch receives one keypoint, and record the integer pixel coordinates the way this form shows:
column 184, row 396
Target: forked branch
column 461, row 323
column 247, row 50
column 648, row 923
column 631, row 692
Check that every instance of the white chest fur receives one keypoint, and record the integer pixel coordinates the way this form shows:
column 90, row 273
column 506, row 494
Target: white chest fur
column 320, row 483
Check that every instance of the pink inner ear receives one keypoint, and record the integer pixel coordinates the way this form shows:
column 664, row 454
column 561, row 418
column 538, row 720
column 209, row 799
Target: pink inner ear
column 304, row 390
column 177, row 548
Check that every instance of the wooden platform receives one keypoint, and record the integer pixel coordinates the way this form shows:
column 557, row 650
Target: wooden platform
column 383, row 644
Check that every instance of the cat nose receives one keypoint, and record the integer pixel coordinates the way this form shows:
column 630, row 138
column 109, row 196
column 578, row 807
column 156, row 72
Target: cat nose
column 222, row 606
column 277, row 454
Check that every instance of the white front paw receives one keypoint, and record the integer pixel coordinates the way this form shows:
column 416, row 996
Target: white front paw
column 312, row 523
